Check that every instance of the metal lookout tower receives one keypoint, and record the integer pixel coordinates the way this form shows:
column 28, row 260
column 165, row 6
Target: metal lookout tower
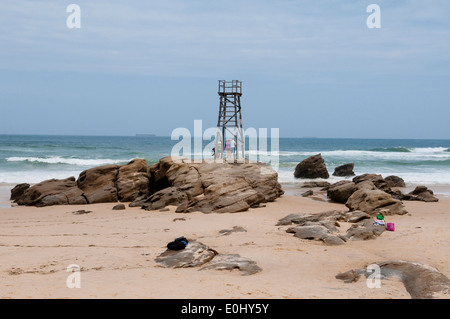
column 230, row 137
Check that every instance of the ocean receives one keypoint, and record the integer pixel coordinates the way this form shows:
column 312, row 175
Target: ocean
column 31, row 159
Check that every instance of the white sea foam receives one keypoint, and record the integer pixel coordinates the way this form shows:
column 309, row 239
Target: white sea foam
column 419, row 154
column 70, row 161
column 33, row 177
column 410, row 178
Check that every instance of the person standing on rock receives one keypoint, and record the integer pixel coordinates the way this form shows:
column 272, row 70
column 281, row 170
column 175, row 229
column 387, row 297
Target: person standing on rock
column 232, row 148
column 228, row 148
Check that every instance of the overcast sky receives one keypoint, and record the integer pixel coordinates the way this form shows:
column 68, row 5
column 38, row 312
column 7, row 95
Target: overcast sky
column 310, row 68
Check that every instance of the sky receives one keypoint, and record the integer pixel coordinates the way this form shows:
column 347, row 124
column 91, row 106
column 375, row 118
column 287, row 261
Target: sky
column 309, row 68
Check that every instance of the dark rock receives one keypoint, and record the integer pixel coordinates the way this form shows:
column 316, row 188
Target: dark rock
column 157, row 173
column 394, row 181
column 312, row 167
column 53, row 192
column 340, row 192
column 344, row 170
column 98, row 184
column 132, row 180
column 119, row 207
column 18, row 191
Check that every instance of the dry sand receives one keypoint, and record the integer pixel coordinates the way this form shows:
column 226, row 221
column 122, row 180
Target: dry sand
column 116, row 252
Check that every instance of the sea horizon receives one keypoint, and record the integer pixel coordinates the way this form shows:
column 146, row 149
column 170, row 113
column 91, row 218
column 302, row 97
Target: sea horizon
column 282, row 137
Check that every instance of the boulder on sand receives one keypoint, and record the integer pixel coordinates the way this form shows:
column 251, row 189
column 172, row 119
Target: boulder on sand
column 53, row 192
column 312, row 167
column 421, row 193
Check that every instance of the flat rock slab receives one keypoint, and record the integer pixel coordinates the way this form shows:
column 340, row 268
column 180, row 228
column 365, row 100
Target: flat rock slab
column 364, row 230
column 421, row 281
column 233, row 261
column 321, row 226
column 328, row 216
column 316, row 232
column 196, row 254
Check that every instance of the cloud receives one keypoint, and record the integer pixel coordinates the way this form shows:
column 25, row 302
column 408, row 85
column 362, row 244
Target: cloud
column 180, row 38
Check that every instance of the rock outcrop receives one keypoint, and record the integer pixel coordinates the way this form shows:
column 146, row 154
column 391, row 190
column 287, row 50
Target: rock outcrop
column 214, row 187
column 312, row 167
column 205, row 187
column 344, row 170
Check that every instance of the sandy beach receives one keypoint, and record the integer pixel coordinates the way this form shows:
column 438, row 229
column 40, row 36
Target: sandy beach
column 115, row 251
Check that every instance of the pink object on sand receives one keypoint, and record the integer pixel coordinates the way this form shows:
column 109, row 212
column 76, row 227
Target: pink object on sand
column 390, row 226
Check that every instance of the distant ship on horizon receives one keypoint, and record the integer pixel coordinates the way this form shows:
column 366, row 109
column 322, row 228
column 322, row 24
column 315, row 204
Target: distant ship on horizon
column 145, row 135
